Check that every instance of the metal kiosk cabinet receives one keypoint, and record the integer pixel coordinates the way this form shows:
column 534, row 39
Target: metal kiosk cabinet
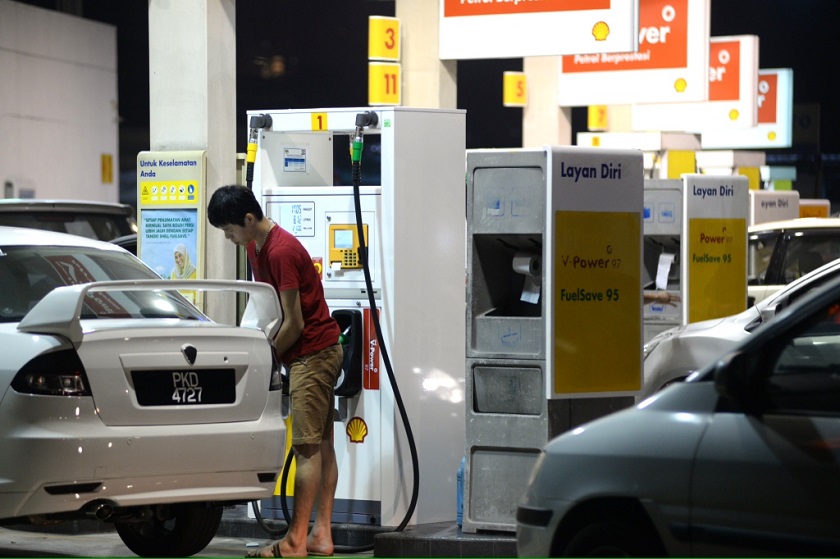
column 523, row 272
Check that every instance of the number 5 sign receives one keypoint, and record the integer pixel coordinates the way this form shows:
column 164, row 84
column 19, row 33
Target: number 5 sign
column 514, row 89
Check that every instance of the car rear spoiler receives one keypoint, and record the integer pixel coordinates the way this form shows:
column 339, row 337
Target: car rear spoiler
column 59, row 312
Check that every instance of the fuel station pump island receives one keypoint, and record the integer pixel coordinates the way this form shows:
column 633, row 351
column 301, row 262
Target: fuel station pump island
column 548, row 254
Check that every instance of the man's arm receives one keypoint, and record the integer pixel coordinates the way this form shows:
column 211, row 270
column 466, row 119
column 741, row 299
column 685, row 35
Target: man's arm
column 292, row 324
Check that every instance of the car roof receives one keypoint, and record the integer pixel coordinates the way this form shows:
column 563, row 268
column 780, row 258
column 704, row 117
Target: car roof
column 21, row 236
column 799, row 223
column 31, row 204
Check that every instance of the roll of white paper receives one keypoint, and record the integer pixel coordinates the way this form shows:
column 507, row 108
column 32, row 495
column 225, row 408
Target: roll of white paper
column 527, row 264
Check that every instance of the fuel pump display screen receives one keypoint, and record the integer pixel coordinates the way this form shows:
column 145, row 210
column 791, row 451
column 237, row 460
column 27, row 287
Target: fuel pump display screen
column 343, row 238
column 344, row 245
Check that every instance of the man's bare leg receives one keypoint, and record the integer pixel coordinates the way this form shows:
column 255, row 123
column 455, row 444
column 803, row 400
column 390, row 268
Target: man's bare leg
column 320, row 538
column 307, row 483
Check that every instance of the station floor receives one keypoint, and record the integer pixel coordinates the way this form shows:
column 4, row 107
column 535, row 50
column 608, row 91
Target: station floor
column 238, row 534
column 443, row 539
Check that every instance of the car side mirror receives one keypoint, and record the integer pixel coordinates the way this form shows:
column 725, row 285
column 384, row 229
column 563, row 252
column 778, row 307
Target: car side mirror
column 769, row 311
column 734, row 381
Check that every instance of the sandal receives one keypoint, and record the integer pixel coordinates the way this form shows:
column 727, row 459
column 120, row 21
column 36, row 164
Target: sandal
column 275, row 550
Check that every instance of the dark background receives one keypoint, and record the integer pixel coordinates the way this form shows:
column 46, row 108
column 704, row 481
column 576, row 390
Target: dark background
column 313, row 53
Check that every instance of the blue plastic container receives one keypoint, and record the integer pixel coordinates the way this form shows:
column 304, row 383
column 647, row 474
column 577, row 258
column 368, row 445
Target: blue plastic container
column 459, row 510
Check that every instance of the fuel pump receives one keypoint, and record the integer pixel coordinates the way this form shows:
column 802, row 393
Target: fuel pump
column 389, row 302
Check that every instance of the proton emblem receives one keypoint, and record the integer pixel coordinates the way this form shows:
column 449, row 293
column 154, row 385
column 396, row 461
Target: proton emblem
column 190, row 353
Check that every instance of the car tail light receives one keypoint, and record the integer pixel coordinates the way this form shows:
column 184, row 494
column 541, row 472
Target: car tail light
column 276, row 380
column 59, row 373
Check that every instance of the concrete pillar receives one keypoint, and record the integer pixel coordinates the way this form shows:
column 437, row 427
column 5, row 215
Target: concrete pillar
column 428, row 82
column 543, row 121
column 192, row 101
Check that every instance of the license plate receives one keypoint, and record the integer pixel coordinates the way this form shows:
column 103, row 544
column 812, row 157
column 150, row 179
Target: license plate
column 184, row 388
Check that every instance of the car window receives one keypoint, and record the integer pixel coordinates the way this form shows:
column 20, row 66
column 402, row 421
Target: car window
column 99, row 226
column 806, row 376
column 27, row 274
column 805, row 253
column 761, row 246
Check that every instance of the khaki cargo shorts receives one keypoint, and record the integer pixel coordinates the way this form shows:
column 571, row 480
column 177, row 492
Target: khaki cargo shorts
column 312, row 389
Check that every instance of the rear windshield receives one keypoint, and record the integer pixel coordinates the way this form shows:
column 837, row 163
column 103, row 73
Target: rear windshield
column 27, row 274
column 103, row 227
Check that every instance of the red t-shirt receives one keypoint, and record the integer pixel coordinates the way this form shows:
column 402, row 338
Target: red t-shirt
column 285, row 264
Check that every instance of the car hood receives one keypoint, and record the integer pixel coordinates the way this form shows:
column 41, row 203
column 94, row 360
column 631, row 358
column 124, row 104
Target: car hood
column 642, row 451
column 742, row 318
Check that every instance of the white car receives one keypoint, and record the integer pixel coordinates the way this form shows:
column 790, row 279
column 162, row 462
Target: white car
column 121, row 401
column 741, row 460
column 671, row 356
column 782, row 251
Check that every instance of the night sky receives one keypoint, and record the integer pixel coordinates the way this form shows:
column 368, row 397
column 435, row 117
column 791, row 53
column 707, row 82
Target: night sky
column 323, row 49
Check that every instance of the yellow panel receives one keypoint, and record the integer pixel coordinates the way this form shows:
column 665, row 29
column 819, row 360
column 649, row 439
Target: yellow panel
column 290, row 479
column 681, row 161
column 717, row 267
column 514, row 89
column 319, row 122
column 597, row 289
column 753, row 174
column 383, row 38
column 596, row 118
column 107, row 163
column 384, row 86
column 813, row 210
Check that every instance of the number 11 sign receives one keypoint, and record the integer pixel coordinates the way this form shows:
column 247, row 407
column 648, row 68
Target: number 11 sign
column 384, row 86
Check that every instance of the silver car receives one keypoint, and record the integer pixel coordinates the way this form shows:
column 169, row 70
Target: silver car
column 97, row 220
column 674, row 354
column 741, row 460
column 119, row 400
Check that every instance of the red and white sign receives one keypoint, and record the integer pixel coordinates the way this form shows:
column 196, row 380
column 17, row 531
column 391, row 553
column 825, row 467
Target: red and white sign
column 474, row 29
column 370, row 359
column 774, row 128
column 731, row 104
column 670, row 64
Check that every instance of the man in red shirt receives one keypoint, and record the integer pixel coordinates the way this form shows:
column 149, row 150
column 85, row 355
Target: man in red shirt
column 307, row 344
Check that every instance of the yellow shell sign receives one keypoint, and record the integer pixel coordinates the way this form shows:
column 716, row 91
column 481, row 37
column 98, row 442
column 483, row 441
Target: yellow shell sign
column 357, row 430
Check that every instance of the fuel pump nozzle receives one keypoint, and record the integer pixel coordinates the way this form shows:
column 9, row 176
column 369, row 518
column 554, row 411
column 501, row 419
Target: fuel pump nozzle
column 257, row 123
column 363, row 120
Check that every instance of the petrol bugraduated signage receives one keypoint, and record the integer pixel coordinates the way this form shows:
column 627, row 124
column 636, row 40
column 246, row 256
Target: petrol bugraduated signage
column 171, row 213
column 714, row 259
column 669, row 65
column 473, row 29
column 774, row 128
column 731, row 104
column 595, row 334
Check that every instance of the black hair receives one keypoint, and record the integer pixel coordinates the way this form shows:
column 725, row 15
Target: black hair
column 229, row 204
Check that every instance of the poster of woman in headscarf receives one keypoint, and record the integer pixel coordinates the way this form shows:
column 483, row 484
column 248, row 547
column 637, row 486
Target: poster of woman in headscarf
column 168, row 244
column 183, row 268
